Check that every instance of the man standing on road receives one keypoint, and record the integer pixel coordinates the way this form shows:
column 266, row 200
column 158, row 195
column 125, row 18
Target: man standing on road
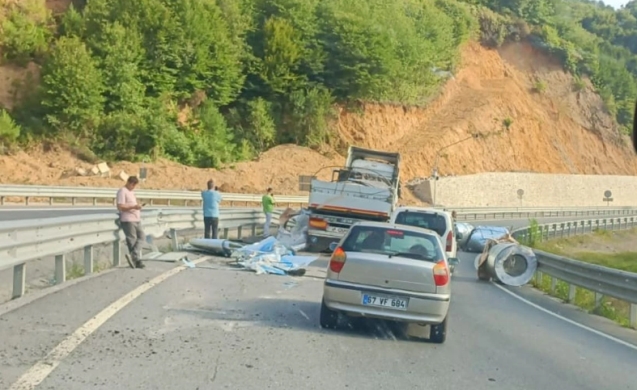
column 131, row 221
column 211, row 199
column 268, row 207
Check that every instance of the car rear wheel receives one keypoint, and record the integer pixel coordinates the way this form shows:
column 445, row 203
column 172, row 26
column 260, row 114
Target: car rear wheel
column 438, row 332
column 328, row 318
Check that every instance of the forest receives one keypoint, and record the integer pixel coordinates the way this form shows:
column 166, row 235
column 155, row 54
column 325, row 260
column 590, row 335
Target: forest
column 208, row 82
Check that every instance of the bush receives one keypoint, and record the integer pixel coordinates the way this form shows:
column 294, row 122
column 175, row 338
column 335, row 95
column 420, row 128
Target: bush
column 25, row 33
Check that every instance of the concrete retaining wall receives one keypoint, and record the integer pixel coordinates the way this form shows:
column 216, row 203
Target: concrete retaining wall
column 500, row 189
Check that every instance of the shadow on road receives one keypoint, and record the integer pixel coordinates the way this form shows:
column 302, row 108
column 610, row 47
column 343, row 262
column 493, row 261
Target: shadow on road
column 299, row 315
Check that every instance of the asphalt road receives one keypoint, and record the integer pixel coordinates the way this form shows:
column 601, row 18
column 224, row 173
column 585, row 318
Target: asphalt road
column 228, row 329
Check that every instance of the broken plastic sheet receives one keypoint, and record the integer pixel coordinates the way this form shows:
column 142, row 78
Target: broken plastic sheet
column 296, row 237
column 270, row 256
column 510, row 263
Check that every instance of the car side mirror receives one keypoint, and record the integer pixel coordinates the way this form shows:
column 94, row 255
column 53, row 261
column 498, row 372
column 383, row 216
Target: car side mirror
column 454, row 261
column 459, row 236
column 333, row 246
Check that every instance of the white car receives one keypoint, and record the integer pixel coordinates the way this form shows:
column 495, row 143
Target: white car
column 439, row 221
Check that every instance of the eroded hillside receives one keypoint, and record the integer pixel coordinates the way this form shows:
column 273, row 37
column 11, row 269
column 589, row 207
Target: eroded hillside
column 532, row 117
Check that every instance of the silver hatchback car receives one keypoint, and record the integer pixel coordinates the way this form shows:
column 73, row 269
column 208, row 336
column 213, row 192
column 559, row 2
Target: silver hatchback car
column 389, row 271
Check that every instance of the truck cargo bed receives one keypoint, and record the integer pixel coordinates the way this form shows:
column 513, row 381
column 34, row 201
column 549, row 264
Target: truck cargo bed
column 350, row 197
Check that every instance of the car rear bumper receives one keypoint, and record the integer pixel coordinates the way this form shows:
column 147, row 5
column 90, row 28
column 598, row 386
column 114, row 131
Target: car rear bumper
column 422, row 308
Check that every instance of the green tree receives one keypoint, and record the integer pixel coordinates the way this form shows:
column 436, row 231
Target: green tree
column 24, row 31
column 72, row 87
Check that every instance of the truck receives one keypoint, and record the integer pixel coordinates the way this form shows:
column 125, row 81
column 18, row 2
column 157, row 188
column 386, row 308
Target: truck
column 367, row 188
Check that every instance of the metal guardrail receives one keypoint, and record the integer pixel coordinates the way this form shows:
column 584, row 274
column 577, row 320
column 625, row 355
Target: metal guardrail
column 95, row 194
column 603, row 281
column 476, row 214
column 26, row 240
column 30, row 193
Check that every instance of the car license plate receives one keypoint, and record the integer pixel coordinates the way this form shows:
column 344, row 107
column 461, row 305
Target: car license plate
column 339, row 230
column 389, row 302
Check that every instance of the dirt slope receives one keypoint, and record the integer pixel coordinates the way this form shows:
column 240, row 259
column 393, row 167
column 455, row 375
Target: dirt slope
column 562, row 129
column 556, row 131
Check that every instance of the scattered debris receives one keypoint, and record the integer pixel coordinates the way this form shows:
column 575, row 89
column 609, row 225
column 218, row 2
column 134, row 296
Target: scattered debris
column 506, row 261
column 297, row 222
column 272, row 255
column 215, row 246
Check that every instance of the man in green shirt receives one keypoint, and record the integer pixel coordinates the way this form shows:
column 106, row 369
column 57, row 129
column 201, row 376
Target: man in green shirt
column 268, row 207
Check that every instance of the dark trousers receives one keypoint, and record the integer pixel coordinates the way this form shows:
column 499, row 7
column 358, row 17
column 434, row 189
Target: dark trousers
column 211, row 227
column 134, row 238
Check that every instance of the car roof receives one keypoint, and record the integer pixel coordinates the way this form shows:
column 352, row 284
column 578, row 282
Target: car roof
column 430, row 210
column 500, row 228
column 396, row 226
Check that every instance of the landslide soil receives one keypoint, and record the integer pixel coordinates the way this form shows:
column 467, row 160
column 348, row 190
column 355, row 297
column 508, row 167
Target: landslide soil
column 532, row 116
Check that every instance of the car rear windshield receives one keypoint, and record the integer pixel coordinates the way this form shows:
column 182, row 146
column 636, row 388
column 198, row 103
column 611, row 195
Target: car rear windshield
column 393, row 242
column 432, row 221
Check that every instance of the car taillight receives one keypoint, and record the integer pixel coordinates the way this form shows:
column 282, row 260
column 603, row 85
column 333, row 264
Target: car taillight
column 337, row 261
column 449, row 241
column 441, row 273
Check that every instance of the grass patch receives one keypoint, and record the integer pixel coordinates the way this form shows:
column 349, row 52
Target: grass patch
column 625, row 261
column 611, row 308
column 76, row 270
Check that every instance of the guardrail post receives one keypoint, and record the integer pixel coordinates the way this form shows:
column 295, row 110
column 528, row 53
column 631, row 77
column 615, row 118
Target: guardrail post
column 174, row 241
column 73, row 201
column 1, row 200
column 254, row 229
column 633, row 316
column 88, row 260
column 598, row 299
column 225, row 233
column 572, row 290
column 117, row 252
column 19, row 280
column 51, row 201
column 94, row 201
column 239, row 232
column 60, row 269
column 26, row 200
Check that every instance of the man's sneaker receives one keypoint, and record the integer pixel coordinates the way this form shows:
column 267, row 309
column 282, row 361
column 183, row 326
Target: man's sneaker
column 129, row 260
column 139, row 264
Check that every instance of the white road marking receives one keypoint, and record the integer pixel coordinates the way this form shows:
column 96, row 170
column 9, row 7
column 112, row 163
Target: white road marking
column 581, row 326
column 43, row 368
column 304, row 315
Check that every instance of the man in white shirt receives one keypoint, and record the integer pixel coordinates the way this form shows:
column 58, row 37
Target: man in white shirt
column 131, row 221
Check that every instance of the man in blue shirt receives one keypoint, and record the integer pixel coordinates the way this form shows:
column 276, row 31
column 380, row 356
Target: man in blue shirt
column 211, row 199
